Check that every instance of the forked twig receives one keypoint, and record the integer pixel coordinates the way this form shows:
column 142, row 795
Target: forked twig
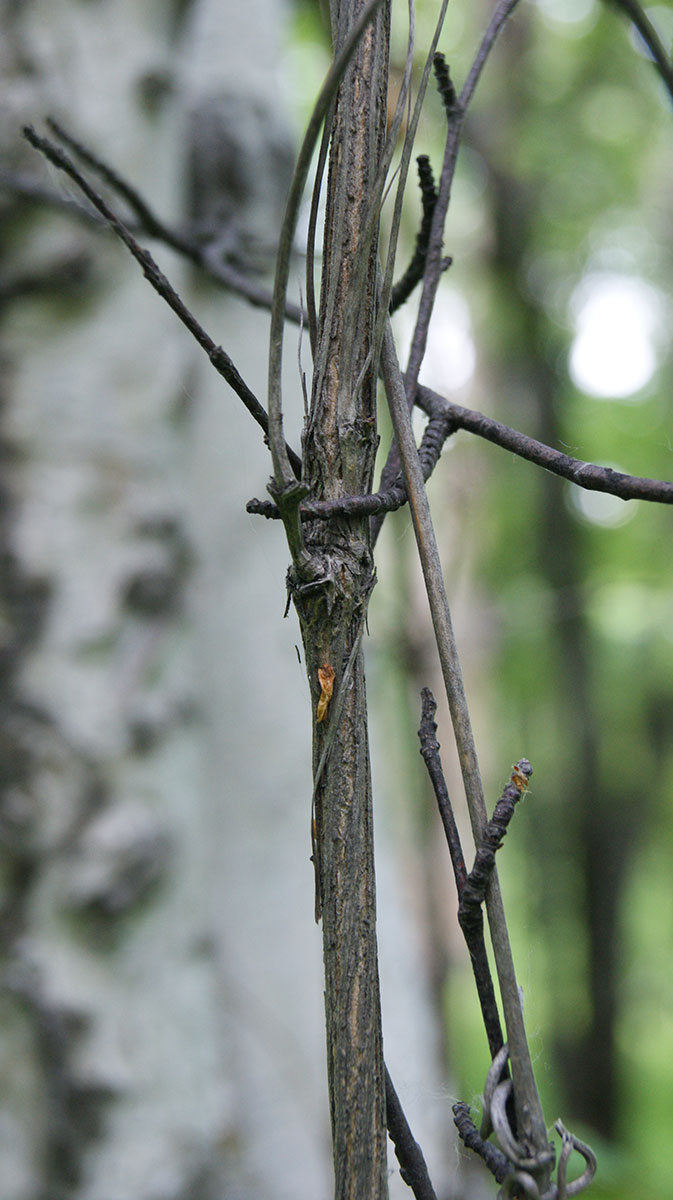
column 494, row 1159
column 146, row 221
column 528, row 1108
column 473, row 931
column 586, row 475
column 434, row 436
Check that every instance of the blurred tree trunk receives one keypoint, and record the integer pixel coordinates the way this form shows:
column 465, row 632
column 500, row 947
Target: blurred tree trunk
column 140, row 1058
column 111, row 1040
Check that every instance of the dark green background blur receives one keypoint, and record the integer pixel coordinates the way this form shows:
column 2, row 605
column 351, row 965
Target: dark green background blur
column 555, row 318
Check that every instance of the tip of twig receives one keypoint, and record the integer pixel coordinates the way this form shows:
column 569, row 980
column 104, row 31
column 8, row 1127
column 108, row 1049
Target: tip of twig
column 521, row 773
column 445, row 83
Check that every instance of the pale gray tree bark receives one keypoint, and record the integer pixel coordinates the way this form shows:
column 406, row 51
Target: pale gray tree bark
column 112, row 1022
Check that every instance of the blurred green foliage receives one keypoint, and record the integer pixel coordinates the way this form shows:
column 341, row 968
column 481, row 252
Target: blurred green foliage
column 564, row 185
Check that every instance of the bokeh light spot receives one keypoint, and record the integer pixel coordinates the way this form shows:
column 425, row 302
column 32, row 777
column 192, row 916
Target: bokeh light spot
column 613, row 355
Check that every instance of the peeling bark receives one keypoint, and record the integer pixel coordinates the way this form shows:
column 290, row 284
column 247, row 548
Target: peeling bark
column 339, row 448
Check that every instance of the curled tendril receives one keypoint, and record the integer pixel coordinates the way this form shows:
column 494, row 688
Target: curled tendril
column 521, row 1181
column 570, row 1143
column 493, row 1078
column 519, row 1184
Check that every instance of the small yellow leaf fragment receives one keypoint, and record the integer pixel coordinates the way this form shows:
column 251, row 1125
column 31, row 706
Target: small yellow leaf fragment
column 521, row 774
column 326, row 677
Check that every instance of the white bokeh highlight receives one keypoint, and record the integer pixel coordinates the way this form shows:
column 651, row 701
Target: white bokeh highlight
column 450, row 356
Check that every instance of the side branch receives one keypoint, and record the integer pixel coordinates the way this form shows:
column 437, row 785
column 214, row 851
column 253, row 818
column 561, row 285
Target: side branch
column 495, row 1160
column 436, row 432
column 474, row 933
column 474, row 891
column 414, row 272
column 445, row 418
column 218, row 357
column 584, row 474
column 528, row 1108
column 413, row 1168
column 662, row 63
column 146, row 221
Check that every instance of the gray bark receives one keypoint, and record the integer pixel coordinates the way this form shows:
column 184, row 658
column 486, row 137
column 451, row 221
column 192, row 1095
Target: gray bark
column 331, row 596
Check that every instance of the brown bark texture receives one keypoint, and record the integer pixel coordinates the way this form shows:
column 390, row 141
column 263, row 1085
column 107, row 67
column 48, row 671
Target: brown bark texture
column 331, row 599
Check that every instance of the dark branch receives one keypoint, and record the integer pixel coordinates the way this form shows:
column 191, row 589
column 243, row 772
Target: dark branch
column 413, row 1168
column 474, row 893
column 474, row 933
column 445, row 418
column 455, row 111
column 146, row 221
column 445, row 84
column 495, row 1160
column 437, row 430
column 430, row 756
column 585, row 475
column 414, row 272
column 661, row 60
column 218, row 357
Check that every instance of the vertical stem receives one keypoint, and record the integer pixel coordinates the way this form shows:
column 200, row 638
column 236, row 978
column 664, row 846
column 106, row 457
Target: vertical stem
column 531, row 1127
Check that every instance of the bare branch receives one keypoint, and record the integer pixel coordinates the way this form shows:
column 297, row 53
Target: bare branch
column 218, row 357
column 390, row 469
column 528, row 1108
column 414, row 272
column 433, row 266
column 413, row 1168
column 502, row 12
column 147, row 218
column 455, row 116
column 474, row 890
column 430, row 755
column 435, row 434
column 585, row 475
column 146, row 221
column 472, row 932
column 495, row 1160
column 662, row 63
column 445, row 418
